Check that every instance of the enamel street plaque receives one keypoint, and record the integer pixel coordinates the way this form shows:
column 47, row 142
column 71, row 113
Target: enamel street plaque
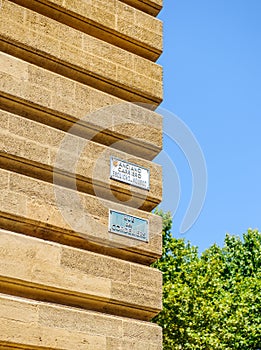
column 130, row 173
column 128, row 225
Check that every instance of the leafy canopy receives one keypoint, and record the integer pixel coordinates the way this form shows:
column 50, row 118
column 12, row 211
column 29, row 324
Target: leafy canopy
column 213, row 300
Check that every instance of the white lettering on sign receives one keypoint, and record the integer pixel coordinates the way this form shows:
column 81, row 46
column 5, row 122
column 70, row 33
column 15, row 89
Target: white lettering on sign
column 128, row 225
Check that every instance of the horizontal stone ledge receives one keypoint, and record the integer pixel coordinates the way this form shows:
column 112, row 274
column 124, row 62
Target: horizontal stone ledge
column 62, row 103
column 32, row 325
column 38, row 150
column 57, row 273
column 151, row 7
column 60, row 214
column 81, row 57
column 112, row 21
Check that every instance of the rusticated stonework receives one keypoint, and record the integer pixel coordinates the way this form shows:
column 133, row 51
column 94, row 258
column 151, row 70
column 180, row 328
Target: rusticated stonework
column 79, row 85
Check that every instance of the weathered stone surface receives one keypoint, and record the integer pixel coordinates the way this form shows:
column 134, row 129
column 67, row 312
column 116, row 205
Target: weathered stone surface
column 41, row 209
column 70, row 66
column 141, row 34
column 53, row 272
column 79, row 56
column 62, row 103
column 30, row 324
column 150, row 6
column 30, row 147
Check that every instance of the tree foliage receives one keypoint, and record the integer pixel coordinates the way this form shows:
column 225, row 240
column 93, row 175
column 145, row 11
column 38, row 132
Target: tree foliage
column 213, row 300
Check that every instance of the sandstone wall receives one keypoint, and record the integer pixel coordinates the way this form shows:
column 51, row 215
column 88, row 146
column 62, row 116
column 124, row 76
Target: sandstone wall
column 79, row 87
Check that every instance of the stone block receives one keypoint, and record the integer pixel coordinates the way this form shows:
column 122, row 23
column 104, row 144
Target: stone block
column 30, row 147
column 31, row 325
column 78, row 57
column 56, row 213
column 151, row 7
column 100, row 18
column 63, row 103
column 53, row 272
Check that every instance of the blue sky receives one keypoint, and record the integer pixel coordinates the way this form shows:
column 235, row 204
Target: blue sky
column 212, row 81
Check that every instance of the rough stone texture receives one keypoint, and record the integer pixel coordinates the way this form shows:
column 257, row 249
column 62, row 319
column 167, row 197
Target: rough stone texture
column 52, row 272
column 35, row 324
column 67, row 66
column 39, row 208
column 78, row 55
column 151, row 7
column 38, row 149
column 111, row 21
column 61, row 102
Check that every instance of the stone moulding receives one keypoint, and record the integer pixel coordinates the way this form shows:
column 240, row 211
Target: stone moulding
column 37, row 150
column 41, row 209
column 152, row 7
column 81, row 57
column 110, row 21
column 39, row 325
column 55, row 273
column 57, row 101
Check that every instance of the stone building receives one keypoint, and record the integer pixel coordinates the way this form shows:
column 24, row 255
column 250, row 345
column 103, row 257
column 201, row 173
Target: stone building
column 79, row 86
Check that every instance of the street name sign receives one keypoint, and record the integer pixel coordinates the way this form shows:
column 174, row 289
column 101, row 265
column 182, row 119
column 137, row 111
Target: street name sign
column 128, row 225
column 129, row 173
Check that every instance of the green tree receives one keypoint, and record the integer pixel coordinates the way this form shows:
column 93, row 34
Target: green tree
column 213, row 300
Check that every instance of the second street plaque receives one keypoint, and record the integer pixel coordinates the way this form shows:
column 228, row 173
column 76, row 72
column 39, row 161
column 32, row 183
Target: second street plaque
column 129, row 173
column 128, row 225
